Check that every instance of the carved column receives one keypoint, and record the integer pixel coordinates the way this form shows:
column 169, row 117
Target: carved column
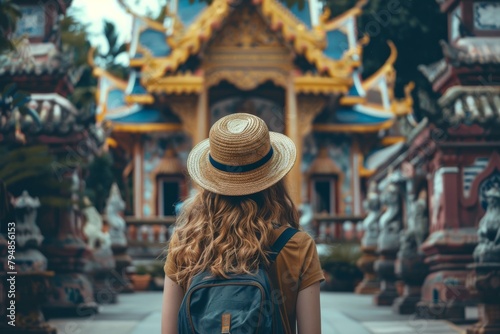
column 388, row 244
column 103, row 263
column 294, row 178
column 370, row 283
column 308, row 107
column 410, row 266
column 29, row 274
column 202, row 116
column 484, row 278
column 68, row 255
column 138, row 177
column 448, row 250
column 188, row 107
column 117, row 227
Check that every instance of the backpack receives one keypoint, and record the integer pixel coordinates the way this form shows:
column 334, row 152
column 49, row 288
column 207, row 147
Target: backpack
column 240, row 304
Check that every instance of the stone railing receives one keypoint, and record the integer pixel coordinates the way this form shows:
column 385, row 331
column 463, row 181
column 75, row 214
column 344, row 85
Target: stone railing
column 147, row 237
column 331, row 229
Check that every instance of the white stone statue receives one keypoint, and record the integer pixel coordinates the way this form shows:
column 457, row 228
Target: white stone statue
column 93, row 227
column 26, row 229
column 114, row 206
column 418, row 227
column 390, row 221
column 488, row 248
column 370, row 223
column 28, row 236
column 306, row 218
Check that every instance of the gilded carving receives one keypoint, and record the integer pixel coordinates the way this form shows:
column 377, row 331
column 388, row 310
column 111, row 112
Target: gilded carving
column 313, row 84
column 309, row 43
column 246, row 80
column 185, row 83
column 308, row 107
column 246, row 29
column 185, row 107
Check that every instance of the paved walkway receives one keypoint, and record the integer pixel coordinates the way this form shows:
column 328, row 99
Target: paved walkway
column 140, row 313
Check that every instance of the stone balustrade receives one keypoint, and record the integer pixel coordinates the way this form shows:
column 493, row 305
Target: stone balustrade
column 147, row 237
column 329, row 229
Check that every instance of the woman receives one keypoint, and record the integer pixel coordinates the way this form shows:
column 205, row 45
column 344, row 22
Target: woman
column 241, row 210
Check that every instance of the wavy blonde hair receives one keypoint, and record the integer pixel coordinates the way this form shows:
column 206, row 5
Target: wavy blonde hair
column 228, row 234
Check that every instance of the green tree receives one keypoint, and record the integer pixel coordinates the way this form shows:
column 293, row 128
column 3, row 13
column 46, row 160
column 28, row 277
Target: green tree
column 109, row 59
column 35, row 169
column 9, row 15
column 75, row 42
column 415, row 27
column 99, row 180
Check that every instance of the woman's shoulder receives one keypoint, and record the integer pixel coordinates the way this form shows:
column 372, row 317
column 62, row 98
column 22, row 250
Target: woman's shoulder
column 300, row 239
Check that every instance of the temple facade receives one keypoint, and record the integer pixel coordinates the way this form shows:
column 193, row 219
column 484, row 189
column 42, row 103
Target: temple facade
column 297, row 68
column 445, row 174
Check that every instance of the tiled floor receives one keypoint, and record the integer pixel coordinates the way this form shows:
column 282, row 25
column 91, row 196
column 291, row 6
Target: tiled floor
column 344, row 313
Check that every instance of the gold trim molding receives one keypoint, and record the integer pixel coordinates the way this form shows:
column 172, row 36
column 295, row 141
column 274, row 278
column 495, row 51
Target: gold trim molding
column 246, row 80
column 311, row 84
column 178, row 84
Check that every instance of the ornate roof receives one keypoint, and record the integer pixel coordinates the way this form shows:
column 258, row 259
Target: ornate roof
column 471, row 105
column 323, row 164
column 159, row 53
column 370, row 105
column 465, row 81
column 115, row 107
column 33, row 59
column 58, row 117
column 330, row 45
column 473, row 50
column 434, row 70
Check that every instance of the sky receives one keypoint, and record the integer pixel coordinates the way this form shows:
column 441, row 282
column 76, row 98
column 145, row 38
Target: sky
column 94, row 12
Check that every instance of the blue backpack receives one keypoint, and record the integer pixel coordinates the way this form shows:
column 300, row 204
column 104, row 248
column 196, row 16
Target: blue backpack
column 240, row 304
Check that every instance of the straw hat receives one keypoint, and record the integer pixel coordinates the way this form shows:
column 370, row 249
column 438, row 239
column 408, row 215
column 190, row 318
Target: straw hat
column 241, row 156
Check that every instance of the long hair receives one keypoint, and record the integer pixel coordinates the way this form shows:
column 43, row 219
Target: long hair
column 229, row 234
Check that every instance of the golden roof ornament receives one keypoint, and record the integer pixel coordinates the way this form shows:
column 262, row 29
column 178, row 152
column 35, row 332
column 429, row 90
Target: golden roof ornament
column 323, row 164
column 169, row 163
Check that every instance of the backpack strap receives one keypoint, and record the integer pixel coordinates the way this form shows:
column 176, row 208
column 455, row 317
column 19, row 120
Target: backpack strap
column 281, row 242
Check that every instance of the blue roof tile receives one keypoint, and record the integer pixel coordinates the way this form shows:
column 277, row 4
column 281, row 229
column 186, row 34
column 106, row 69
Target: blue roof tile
column 302, row 13
column 143, row 115
column 155, row 41
column 116, row 99
column 337, row 44
column 188, row 10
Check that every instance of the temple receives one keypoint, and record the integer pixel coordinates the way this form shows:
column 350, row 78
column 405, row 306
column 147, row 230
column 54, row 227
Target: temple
column 419, row 196
column 296, row 68
column 445, row 180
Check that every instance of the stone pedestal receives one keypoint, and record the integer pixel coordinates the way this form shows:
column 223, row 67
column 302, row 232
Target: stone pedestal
column 388, row 242
column 103, row 263
column 122, row 261
column 384, row 267
column 103, row 276
column 69, row 257
column 72, row 293
column 444, row 294
column 485, row 279
column 114, row 207
column 26, row 272
column 370, row 283
column 412, row 271
column 31, row 291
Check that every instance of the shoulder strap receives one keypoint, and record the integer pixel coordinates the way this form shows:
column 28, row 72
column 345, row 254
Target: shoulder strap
column 281, row 242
